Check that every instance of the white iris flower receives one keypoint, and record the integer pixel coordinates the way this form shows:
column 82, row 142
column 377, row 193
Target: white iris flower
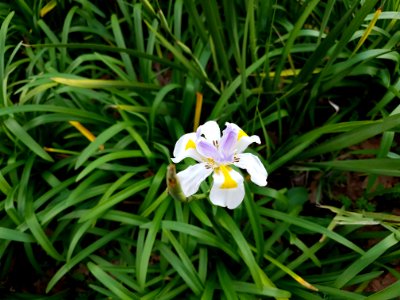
column 216, row 155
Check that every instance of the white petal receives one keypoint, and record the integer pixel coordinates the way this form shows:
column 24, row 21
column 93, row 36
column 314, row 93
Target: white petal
column 227, row 189
column 245, row 141
column 191, row 178
column 186, row 147
column 210, row 130
column 253, row 165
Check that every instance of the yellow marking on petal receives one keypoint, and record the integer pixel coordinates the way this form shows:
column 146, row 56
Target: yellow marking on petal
column 229, row 182
column 241, row 134
column 190, row 145
column 85, row 132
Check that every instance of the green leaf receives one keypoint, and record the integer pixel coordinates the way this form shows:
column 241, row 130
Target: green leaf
column 101, row 139
column 378, row 166
column 39, row 233
column 366, row 259
column 117, row 288
column 354, row 136
column 15, row 235
column 202, row 236
column 143, row 255
column 110, row 157
column 102, row 207
column 181, row 265
column 313, row 227
column 26, row 139
column 3, row 79
column 226, row 282
column 83, row 254
column 259, row 277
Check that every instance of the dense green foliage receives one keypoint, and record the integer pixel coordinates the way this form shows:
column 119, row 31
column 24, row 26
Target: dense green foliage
column 314, row 79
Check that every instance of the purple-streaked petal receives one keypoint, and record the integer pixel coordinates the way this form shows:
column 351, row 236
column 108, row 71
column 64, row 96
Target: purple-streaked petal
column 228, row 189
column 253, row 165
column 191, row 178
column 228, row 142
column 207, row 149
column 186, row 147
column 243, row 140
column 210, row 130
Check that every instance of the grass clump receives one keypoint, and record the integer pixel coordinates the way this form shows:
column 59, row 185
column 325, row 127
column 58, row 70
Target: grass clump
column 94, row 96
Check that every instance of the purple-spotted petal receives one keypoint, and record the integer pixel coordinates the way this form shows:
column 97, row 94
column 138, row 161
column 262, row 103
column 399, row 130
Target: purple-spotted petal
column 191, row 178
column 228, row 189
column 253, row 166
column 186, row 147
column 210, row 130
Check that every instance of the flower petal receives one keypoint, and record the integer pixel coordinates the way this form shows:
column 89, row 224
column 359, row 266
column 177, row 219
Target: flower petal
column 186, row 147
column 228, row 188
column 207, row 149
column 191, row 178
column 227, row 145
column 210, row 130
column 253, row 165
column 243, row 140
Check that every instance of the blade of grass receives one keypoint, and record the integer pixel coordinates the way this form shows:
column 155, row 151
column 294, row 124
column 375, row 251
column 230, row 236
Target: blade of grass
column 143, row 257
column 52, row 108
column 290, row 42
column 15, row 235
column 117, row 288
column 259, row 277
column 366, row 259
column 95, row 212
column 226, row 282
column 101, row 139
column 3, row 79
column 110, row 157
column 83, row 254
column 357, row 132
column 103, row 83
column 313, row 227
column 214, row 25
column 21, row 135
column 379, row 166
column 38, row 232
column 203, row 236
column 186, row 272
column 119, row 39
